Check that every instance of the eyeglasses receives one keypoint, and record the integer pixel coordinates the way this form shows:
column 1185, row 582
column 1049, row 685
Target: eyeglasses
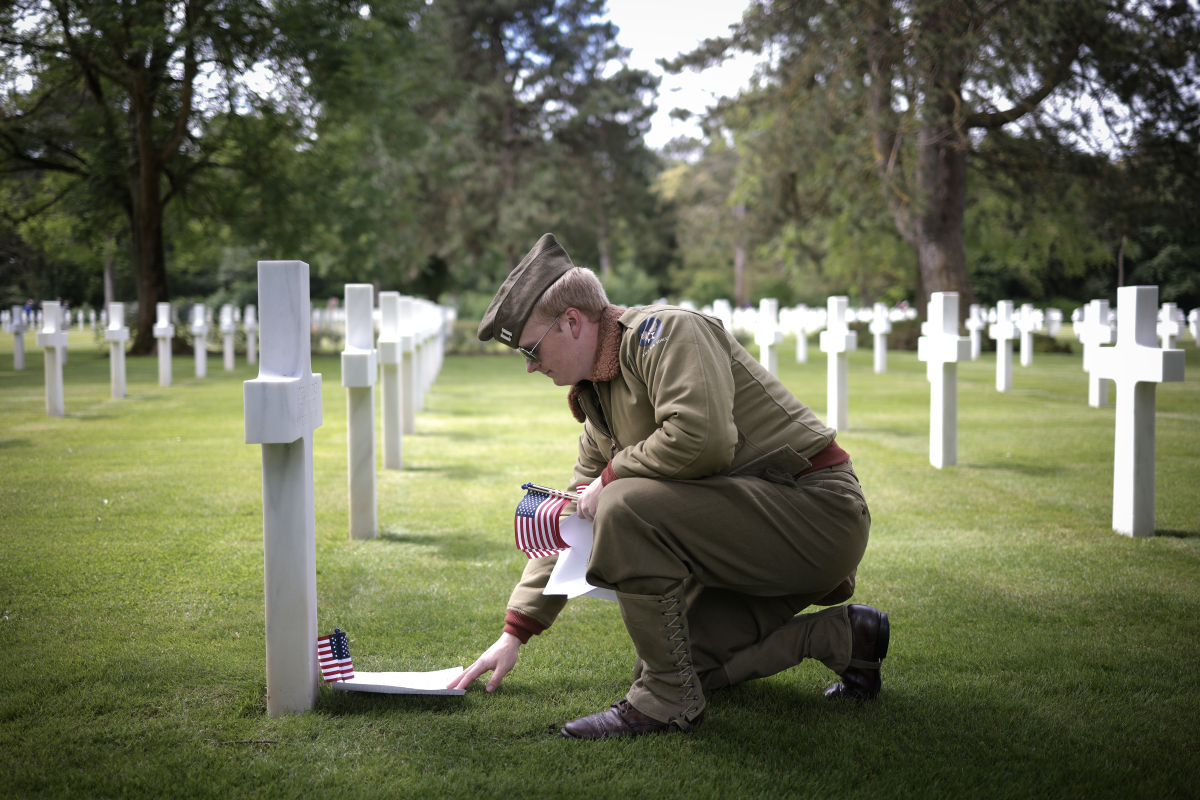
column 529, row 356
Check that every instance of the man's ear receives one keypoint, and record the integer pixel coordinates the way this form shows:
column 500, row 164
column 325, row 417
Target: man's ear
column 574, row 318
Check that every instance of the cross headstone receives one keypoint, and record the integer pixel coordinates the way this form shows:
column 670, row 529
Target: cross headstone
column 228, row 329
column 767, row 335
column 408, row 366
column 389, row 359
column 942, row 348
column 881, row 326
column 53, row 339
column 282, row 408
column 1095, row 330
column 116, row 334
column 358, row 376
column 1004, row 330
column 1194, row 325
column 164, row 332
column 1054, row 320
column 1137, row 365
column 200, row 339
column 976, row 324
column 250, row 323
column 64, row 325
column 1170, row 325
column 724, row 312
column 1028, row 323
column 92, row 317
column 800, row 326
column 18, row 328
column 837, row 340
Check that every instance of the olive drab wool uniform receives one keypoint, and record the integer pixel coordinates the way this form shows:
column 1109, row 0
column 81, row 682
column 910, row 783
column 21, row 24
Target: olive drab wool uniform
column 700, row 448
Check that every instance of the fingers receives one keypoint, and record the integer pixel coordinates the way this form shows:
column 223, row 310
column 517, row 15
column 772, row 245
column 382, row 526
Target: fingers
column 467, row 678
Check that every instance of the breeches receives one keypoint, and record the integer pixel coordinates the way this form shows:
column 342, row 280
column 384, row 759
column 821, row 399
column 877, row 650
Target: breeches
column 751, row 553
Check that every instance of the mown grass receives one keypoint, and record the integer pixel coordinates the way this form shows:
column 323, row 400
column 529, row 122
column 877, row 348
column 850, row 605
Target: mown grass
column 1035, row 653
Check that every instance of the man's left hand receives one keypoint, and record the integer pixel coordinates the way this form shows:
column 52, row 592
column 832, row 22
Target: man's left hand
column 589, row 499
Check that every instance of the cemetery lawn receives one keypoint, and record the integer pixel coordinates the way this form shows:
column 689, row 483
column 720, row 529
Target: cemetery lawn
column 1035, row 653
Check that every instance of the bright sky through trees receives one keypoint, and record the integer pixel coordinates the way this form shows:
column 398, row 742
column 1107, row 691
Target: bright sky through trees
column 666, row 28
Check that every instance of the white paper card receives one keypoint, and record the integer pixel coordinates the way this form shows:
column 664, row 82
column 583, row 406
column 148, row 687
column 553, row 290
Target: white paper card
column 402, row 682
column 569, row 574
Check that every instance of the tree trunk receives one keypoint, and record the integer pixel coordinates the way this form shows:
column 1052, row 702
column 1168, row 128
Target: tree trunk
column 149, row 255
column 739, row 258
column 602, row 243
column 110, row 272
column 942, row 172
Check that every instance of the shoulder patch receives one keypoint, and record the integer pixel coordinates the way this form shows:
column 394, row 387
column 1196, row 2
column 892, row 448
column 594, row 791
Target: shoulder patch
column 648, row 331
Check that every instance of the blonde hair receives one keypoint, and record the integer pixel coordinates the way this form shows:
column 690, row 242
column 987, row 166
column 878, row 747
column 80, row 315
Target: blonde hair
column 577, row 288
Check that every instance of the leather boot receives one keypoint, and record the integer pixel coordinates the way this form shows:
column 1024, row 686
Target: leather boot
column 667, row 695
column 861, row 680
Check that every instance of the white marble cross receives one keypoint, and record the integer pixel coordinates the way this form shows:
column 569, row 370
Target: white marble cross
column 976, row 324
column 767, row 335
column 164, row 332
column 250, row 323
column 64, row 325
column 408, row 366
column 358, row 376
column 1193, row 325
column 200, row 339
column 1003, row 330
column 282, row 408
column 389, row 359
column 724, row 312
column 1171, row 325
column 881, row 326
column 1054, row 320
column 228, row 329
column 1028, row 323
column 1095, row 330
column 53, row 339
column 117, row 334
column 837, row 340
column 800, row 328
column 1137, row 365
column 17, row 328
column 942, row 348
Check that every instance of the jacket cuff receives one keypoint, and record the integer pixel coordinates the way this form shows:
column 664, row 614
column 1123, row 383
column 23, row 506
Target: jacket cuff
column 522, row 626
column 608, row 476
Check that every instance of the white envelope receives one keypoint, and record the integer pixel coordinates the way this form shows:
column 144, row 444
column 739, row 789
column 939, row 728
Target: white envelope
column 569, row 571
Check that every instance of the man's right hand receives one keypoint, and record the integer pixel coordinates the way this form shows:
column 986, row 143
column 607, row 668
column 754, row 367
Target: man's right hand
column 498, row 659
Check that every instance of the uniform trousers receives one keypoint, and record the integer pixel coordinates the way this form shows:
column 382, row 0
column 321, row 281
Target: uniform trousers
column 747, row 553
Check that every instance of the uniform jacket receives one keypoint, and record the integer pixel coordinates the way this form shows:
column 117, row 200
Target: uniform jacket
column 673, row 396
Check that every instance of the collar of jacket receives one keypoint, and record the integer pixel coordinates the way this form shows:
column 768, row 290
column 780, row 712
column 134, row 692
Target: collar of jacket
column 608, row 358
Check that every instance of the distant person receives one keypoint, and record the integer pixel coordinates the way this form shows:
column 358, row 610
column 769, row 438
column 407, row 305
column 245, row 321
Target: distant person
column 721, row 505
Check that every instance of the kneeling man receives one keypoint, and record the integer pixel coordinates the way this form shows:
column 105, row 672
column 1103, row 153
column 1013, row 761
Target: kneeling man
column 721, row 505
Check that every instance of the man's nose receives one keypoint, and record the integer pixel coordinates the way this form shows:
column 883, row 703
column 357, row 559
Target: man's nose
column 530, row 367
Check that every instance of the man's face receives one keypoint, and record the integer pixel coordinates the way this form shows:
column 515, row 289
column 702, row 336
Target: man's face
column 564, row 350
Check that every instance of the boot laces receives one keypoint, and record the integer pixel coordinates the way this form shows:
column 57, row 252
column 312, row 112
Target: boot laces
column 681, row 653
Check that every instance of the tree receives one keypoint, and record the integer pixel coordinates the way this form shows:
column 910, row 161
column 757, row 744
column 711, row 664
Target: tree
column 132, row 100
column 917, row 87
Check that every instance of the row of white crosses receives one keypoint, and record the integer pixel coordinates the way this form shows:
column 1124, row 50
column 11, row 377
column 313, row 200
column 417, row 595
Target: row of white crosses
column 411, row 347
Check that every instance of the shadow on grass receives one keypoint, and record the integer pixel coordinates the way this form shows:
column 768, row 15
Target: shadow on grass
column 461, row 547
column 1177, row 534
column 7, row 443
column 1024, row 469
column 337, row 703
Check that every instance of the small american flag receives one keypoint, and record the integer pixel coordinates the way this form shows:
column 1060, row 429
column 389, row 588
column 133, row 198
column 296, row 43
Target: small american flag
column 333, row 657
column 536, row 523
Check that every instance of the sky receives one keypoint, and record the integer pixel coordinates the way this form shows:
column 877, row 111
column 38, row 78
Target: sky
column 655, row 29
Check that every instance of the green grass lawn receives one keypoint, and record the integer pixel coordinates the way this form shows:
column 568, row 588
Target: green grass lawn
column 1035, row 653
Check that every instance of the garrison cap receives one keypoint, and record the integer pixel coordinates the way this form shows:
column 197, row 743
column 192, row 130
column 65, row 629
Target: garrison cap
column 513, row 304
